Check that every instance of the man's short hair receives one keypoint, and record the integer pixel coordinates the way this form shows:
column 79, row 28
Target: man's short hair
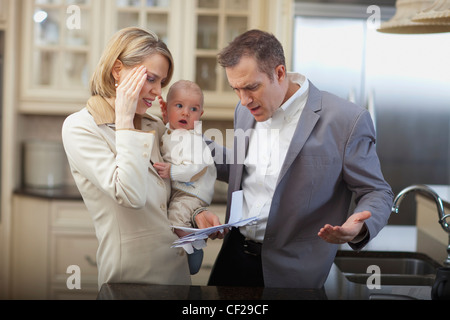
column 262, row 46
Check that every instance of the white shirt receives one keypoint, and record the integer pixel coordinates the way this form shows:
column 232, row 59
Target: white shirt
column 268, row 146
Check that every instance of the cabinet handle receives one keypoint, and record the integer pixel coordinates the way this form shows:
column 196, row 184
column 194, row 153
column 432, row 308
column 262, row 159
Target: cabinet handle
column 91, row 261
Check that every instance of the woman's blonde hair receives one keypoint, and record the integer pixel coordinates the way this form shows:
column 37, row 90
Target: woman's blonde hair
column 131, row 46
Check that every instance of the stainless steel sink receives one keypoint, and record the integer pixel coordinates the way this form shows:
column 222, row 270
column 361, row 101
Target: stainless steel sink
column 395, row 279
column 404, row 276
column 397, row 268
column 389, row 262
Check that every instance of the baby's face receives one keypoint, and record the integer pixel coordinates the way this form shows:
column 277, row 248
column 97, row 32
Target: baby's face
column 184, row 109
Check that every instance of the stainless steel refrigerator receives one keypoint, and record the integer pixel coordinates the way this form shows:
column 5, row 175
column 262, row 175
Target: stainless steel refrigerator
column 404, row 80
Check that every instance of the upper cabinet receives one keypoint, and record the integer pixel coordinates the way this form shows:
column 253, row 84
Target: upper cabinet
column 148, row 14
column 163, row 17
column 62, row 41
column 60, row 48
column 217, row 23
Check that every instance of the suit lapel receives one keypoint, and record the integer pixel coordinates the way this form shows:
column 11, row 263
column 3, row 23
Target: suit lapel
column 305, row 126
column 244, row 122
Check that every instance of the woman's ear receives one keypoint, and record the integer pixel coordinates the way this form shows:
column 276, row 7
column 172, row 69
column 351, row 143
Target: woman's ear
column 163, row 106
column 117, row 68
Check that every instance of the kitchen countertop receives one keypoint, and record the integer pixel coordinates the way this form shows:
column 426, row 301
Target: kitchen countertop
column 412, row 240
column 383, row 242
column 162, row 292
column 72, row 193
column 60, row 193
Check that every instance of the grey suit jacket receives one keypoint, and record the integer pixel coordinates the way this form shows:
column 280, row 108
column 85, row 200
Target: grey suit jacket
column 331, row 158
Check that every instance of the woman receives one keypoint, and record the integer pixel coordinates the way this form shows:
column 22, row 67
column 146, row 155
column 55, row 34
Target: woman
column 111, row 146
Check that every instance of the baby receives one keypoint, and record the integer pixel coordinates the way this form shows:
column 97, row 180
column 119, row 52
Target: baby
column 188, row 161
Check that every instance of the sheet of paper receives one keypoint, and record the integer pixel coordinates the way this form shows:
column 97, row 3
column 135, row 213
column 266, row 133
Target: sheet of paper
column 237, row 204
column 195, row 236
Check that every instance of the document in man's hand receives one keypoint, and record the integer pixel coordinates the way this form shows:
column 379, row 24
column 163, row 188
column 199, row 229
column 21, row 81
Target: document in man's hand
column 196, row 237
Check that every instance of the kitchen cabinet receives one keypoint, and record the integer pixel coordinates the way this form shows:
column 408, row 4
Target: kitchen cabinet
column 163, row 17
column 3, row 11
column 62, row 41
column 48, row 237
column 436, row 239
column 155, row 15
column 60, row 56
column 427, row 218
column 216, row 23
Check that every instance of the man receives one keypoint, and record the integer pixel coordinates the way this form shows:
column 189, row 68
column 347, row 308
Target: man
column 323, row 154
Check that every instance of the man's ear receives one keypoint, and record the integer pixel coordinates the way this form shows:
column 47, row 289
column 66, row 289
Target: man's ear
column 280, row 73
column 117, row 68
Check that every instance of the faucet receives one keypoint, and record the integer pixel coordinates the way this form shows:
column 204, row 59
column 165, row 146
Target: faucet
column 440, row 208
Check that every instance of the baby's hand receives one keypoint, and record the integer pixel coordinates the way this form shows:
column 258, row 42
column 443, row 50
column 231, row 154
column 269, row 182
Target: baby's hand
column 163, row 169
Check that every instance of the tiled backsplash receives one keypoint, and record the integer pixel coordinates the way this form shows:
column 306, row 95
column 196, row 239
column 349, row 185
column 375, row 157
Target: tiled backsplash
column 43, row 127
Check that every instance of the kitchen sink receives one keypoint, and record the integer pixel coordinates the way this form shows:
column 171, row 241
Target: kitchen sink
column 397, row 268
column 394, row 279
column 403, row 276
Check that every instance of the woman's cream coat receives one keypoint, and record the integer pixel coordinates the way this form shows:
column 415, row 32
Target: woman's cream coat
column 125, row 196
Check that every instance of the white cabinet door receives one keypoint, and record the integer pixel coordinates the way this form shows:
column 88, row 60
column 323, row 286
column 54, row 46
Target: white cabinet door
column 60, row 49
column 3, row 11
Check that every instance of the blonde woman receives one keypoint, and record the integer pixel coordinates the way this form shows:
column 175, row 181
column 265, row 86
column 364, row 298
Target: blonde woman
column 111, row 146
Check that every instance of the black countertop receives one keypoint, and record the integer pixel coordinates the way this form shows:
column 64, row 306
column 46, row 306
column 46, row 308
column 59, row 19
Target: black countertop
column 71, row 192
column 183, row 293
column 339, row 286
column 60, row 193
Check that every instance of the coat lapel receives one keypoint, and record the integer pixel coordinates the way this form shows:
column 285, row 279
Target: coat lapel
column 305, row 126
column 245, row 121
